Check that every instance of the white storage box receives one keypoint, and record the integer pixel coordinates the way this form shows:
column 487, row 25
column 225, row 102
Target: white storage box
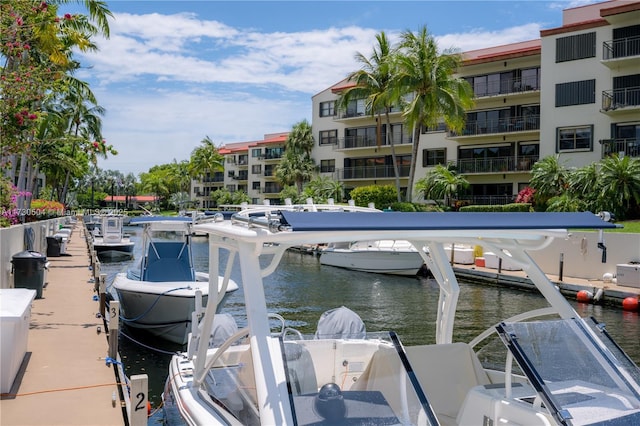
column 628, row 275
column 491, row 260
column 15, row 316
column 461, row 255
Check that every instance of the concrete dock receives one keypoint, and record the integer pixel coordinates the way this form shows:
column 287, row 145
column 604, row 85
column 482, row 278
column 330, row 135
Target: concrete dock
column 612, row 294
column 64, row 379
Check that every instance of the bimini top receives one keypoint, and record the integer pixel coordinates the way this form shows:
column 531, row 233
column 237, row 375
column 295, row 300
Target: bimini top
column 436, row 221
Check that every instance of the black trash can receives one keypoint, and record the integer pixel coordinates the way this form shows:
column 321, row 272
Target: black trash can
column 28, row 270
column 54, row 245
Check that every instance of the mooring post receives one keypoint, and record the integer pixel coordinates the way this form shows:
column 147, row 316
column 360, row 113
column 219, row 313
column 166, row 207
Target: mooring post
column 138, row 400
column 114, row 328
column 103, row 293
column 561, row 267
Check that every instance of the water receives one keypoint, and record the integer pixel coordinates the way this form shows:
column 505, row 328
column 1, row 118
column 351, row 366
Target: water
column 301, row 289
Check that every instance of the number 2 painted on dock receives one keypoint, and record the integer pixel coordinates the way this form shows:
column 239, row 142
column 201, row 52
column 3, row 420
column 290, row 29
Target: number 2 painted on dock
column 141, row 401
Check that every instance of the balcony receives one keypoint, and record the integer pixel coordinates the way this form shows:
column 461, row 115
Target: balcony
column 509, row 86
column 271, row 156
column 621, row 100
column 486, row 200
column 357, row 142
column 271, row 189
column 628, row 147
column 371, row 172
column 529, row 123
column 623, row 51
column 359, row 112
column 496, row 165
column 241, row 176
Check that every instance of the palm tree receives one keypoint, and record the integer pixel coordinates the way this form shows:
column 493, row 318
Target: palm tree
column 442, row 183
column 297, row 166
column 620, row 184
column 205, row 158
column 375, row 84
column 50, row 44
column 549, row 177
column 78, row 107
column 583, row 184
column 437, row 92
column 322, row 188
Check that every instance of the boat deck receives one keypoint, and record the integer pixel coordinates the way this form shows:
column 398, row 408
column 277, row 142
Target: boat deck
column 64, row 379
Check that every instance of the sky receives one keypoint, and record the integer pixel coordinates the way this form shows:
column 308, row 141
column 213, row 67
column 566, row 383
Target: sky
column 174, row 72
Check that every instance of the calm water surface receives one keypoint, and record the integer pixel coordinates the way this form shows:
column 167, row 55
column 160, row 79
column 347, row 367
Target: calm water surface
column 301, row 289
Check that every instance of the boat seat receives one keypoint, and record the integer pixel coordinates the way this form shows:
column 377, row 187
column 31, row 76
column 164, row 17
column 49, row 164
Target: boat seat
column 340, row 323
column 300, row 368
column 446, row 373
column 168, row 261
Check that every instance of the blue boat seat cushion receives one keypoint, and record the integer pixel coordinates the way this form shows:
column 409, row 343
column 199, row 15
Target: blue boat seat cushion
column 168, row 261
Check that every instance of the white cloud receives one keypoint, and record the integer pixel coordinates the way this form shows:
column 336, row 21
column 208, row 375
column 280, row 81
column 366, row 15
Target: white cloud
column 167, row 81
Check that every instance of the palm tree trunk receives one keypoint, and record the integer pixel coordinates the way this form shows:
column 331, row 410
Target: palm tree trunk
column 414, row 160
column 389, row 135
column 22, row 181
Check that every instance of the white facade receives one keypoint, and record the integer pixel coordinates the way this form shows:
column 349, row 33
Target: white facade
column 574, row 91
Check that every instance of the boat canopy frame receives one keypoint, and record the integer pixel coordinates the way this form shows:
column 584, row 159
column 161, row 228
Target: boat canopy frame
column 272, row 230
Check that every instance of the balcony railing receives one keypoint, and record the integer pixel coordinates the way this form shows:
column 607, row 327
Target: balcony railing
column 271, row 189
column 504, row 87
column 629, row 147
column 369, row 142
column 620, row 98
column 496, row 165
column 621, row 48
column 487, row 200
column 360, row 113
column 271, row 156
column 502, row 125
column 371, row 172
column 241, row 176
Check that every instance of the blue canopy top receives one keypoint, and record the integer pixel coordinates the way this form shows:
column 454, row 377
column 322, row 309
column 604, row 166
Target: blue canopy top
column 400, row 221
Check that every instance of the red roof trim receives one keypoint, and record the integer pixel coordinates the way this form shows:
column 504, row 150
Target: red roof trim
column 624, row 8
column 574, row 27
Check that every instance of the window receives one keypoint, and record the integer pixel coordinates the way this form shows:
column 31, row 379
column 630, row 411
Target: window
column 432, row 157
column 329, row 137
column 576, row 93
column 327, row 109
column 243, row 159
column 575, row 139
column 257, row 152
column 256, row 169
column 327, row 166
column 255, row 186
column 530, row 79
column 576, row 47
column 231, row 188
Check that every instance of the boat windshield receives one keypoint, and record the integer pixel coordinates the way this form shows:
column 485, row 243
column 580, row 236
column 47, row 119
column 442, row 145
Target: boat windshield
column 579, row 380
column 353, row 381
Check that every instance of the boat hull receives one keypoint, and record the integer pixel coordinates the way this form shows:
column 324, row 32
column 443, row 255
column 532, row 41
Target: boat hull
column 397, row 263
column 163, row 309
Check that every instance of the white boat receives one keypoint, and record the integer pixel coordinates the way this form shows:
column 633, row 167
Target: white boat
column 397, row 257
column 161, row 293
column 109, row 240
column 544, row 367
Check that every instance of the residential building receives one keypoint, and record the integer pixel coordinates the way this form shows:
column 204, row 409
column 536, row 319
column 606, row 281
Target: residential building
column 591, row 83
column 248, row 167
column 532, row 99
column 573, row 92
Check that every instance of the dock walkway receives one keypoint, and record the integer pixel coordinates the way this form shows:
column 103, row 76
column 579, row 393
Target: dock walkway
column 64, row 379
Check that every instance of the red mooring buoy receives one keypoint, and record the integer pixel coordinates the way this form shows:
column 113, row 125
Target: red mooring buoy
column 630, row 304
column 584, row 296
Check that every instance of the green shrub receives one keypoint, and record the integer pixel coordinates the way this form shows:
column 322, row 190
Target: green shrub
column 403, row 207
column 382, row 196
